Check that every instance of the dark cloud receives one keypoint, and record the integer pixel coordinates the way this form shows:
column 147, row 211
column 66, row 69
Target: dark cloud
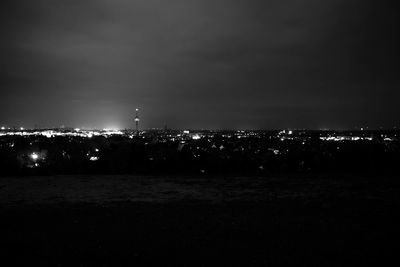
column 200, row 64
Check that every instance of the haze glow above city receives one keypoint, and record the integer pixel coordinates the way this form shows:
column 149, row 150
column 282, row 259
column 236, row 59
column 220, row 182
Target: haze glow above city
column 212, row 64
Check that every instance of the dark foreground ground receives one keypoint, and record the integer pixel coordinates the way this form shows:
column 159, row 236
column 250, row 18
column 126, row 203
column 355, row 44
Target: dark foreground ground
column 336, row 220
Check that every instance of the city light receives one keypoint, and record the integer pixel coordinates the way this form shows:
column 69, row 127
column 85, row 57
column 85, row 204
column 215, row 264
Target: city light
column 260, row 146
column 196, row 137
column 282, row 136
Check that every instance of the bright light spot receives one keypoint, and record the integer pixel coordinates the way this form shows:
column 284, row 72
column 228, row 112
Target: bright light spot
column 48, row 134
column 94, row 158
column 196, row 137
column 3, row 128
column 34, row 156
column 22, row 128
column 77, row 129
column 97, row 150
column 186, row 132
column 290, row 132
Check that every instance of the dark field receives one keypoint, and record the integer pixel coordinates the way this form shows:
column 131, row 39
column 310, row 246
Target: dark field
column 179, row 221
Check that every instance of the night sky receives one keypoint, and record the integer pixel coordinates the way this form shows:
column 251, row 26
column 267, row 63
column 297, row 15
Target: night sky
column 240, row 64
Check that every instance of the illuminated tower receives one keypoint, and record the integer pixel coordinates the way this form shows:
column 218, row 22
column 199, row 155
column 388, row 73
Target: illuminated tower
column 137, row 121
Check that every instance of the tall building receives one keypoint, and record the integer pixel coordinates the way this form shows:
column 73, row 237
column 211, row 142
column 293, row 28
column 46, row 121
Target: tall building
column 137, row 121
